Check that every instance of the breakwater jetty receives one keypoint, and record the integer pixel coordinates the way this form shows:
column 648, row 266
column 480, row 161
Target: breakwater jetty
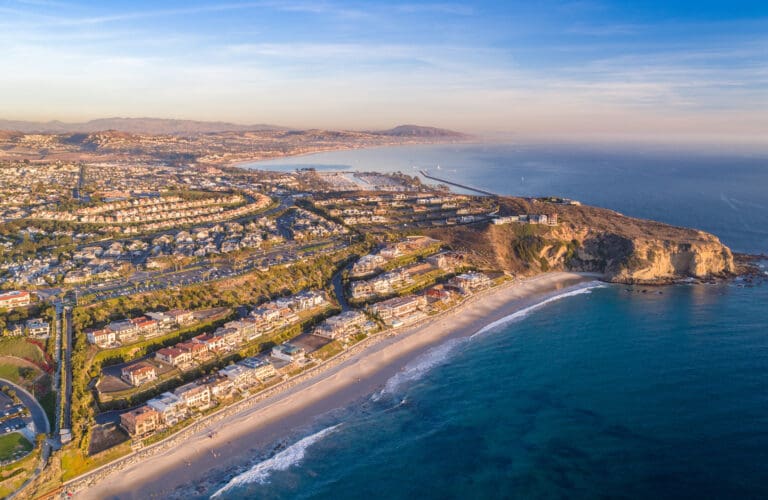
column 426, row 174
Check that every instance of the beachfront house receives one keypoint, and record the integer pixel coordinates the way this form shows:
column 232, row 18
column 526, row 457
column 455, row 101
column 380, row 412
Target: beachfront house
column 262, row 368
column 471, row 282
column 341, row 325
column 221, row 388
column 241, row 376
column 439, row 293
column 140, row 421
column 194, row 395
column 170, row 407
column 288, row 352
column 400, row 309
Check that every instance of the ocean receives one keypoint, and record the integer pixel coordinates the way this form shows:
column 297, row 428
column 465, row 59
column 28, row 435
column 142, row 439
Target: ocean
column 609, row 391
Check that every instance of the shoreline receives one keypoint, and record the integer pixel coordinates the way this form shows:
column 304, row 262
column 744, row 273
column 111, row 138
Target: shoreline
column 241, row 163
column 296, row 404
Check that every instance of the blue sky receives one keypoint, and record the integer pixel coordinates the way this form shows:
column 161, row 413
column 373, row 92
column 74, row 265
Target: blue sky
column 544, row 67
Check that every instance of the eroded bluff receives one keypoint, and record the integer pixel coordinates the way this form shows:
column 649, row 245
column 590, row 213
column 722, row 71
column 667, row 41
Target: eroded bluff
column 623, row 249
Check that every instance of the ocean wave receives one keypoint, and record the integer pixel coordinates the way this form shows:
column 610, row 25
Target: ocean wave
column 284, row 460
column 433, row 357
column 522, row 313
column 421, row 365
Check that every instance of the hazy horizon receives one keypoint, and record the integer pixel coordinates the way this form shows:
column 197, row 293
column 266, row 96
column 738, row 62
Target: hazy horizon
column 688, row 71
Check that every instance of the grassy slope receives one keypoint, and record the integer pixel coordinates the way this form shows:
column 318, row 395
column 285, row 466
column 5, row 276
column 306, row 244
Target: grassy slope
column 11, row 443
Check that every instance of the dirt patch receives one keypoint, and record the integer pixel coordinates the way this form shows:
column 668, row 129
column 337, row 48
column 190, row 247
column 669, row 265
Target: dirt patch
column 104, row 437
column 309, row 343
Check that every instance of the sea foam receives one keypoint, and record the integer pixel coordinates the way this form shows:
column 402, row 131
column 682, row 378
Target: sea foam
column 433, row 357
column 284, row 460
column 522, row 313
column 418, row 367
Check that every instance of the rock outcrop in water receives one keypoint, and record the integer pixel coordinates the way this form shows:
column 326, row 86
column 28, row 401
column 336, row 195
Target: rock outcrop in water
column 623, row 249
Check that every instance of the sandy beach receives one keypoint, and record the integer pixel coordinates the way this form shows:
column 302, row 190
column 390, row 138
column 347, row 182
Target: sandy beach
column 255, row 431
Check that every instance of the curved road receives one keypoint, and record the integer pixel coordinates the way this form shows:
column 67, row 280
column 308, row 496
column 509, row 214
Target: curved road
column 338, row 288
column 38, row 414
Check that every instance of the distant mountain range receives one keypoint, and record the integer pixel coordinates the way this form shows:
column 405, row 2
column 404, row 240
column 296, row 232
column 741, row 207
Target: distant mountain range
column 418, row 131
column 161, row 126
column 152, row 126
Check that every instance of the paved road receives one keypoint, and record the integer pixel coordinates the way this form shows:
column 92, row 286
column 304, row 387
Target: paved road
column 59, row 332
column 38, row 414
column 67, row 423
column 338, row 288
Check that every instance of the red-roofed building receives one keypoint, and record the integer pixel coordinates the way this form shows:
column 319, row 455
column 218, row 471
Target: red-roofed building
column 146, row 326
column 16, row 298
column 195, row 349
column 140, row 421
column 102, row 337
column 139, row 373
column 173, row 356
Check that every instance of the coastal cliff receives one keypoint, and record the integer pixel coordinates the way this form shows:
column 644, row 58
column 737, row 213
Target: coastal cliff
column 591, row 239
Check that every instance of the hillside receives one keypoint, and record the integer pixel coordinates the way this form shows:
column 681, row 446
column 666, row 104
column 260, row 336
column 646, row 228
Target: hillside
column 624, row 249
column 131, row 125
column 419, row 131
column 161, row 126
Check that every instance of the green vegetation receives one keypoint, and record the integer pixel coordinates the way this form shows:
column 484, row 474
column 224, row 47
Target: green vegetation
column 544, row 264
column 328, row 351
column 21, row 348
column 18, row 371
column 528, row 247
column 74, row 462
column 634, row 262
column 48, row 402
column 572, row 247
column 12, row 445
column 13, row 475
column 107, row 357
column 411, row 258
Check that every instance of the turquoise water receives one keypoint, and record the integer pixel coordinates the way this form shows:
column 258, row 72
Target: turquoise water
column 611, row 393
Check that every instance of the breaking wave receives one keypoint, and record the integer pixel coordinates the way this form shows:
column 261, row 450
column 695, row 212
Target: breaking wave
column 433, row 357
column 421, row 365
column 522, row 313
column 284, row 460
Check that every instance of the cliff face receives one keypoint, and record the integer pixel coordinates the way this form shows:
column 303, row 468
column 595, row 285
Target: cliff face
column 623, row 249
column 650, row 260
